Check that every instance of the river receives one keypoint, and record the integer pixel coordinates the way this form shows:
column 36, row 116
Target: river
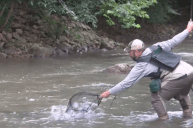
column 34, row 93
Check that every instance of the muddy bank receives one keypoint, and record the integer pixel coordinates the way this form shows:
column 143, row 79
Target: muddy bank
column 149, row 33
column 34, row 34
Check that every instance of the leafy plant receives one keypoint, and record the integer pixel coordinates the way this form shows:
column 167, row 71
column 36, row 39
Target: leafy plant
column 85, row 10
column 52, row 6
column 126, row 11
column 78, row 36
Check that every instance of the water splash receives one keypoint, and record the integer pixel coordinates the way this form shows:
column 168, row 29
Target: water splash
column 188, row 123
column 59, row 113
column 140, row 119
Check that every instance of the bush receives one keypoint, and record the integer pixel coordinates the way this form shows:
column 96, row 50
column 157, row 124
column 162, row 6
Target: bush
column 126, row 11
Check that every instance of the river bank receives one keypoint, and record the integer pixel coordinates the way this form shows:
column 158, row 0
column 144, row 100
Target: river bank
column 34, row 34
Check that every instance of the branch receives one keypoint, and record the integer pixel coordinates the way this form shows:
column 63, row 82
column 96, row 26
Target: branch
column 3, row 10
column 44, row 14
column 8, row 15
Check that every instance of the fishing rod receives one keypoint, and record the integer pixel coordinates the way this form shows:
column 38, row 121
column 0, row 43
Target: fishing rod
column 191, row 9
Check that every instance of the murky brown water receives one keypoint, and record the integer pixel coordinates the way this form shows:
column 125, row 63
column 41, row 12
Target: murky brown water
column 34, row 93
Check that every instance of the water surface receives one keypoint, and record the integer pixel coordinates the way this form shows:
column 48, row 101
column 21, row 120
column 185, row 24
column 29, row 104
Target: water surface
column 34, row 93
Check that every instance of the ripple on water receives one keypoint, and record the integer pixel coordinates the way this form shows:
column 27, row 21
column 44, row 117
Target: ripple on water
column 185, row 54
column 74, row 73
column 138, row 118
column 188, row 123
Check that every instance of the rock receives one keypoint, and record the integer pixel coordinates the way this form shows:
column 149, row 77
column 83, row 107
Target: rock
column 122, row 68
column 36, row 45
column 120, row 45
column 26, row 33
column 8, row 36
column 61, row 53
column 35, row 27
column 16, row 36
column 1, row 44
column 3, row 55
column 35, row 31
column 39, row 22
column 26, row 28
column 19, row 31
column 22, row 40
column 21, row 13
column 86, row 27
column 11, row 50
column 4, row 33
column 84, row 48
column 31, row 38
column 112, row 43
column 2, row 38
column 63, row 47
column 63, row 39
column 38, row 51
column 105, row 44
column 104, row 50
column 16, row 25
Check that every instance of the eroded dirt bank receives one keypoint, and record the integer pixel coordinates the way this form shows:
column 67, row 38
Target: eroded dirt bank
column 34, row 34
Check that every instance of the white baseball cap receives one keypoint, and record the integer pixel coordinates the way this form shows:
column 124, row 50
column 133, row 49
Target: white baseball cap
column 136, row 44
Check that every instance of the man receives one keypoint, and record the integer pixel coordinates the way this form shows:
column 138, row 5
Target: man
column 176, row 81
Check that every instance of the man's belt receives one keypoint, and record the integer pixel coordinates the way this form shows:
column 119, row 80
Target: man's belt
column 181, row 77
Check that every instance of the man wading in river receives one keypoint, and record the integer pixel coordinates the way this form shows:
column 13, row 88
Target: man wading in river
column 172, row 77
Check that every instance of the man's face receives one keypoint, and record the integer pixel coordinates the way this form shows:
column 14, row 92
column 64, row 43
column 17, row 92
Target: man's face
column 135, row 54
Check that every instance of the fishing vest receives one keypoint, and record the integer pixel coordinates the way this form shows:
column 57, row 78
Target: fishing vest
column 161, row 58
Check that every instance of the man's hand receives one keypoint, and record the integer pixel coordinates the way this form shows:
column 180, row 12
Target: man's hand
column 190, row 26
column 105, row 94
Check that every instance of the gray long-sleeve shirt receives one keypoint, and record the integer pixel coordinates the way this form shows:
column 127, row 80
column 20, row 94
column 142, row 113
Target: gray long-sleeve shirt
column 143, row 69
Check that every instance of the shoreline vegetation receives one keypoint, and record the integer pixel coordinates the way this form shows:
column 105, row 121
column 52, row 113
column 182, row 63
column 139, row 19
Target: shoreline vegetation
column 33, row 34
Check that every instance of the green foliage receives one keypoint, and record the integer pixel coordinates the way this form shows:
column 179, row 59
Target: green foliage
column 85, row 10
column 78, row 36
column 55, row 30
column 52, row 7
column 81, row 10
column 109, row 21
column 161, row 12
column 126, row 11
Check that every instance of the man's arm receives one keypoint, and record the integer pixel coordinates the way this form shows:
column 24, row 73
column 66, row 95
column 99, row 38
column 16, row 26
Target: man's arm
column 169, row 44
column 135, row 74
